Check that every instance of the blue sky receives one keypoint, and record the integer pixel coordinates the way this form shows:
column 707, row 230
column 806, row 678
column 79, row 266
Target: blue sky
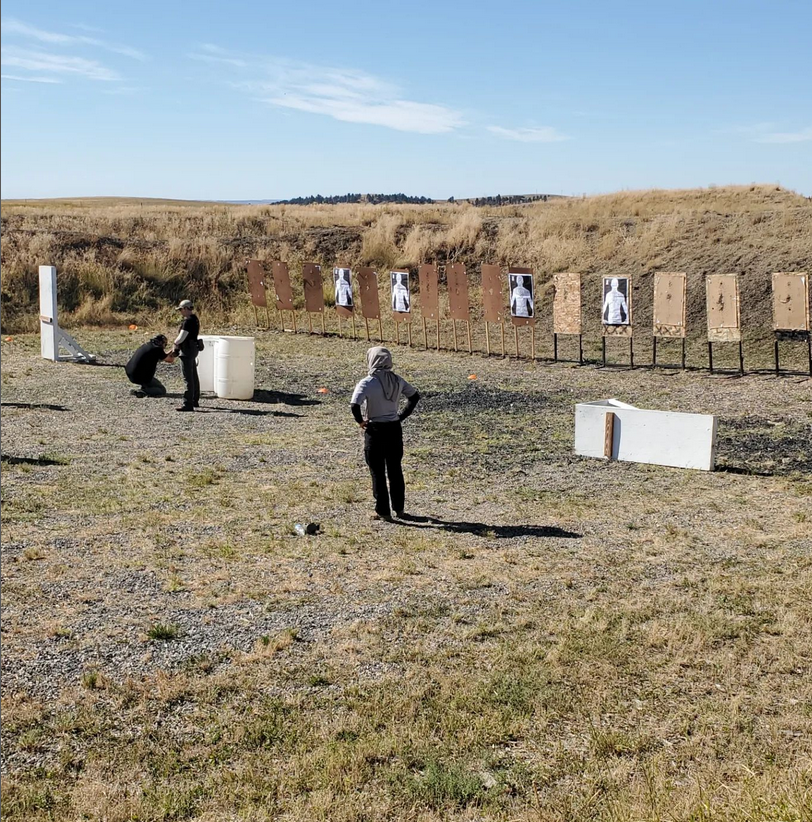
column 250, row 100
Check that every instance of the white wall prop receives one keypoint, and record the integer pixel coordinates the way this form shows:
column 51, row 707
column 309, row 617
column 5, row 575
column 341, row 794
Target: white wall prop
column 52, row 337
column 611, row 429
column 205, row 362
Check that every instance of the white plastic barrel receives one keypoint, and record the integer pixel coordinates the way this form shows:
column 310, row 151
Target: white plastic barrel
column 205, row 363
column 234, row 368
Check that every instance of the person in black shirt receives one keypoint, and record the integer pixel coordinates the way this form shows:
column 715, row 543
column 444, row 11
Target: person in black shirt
column 142, row 365
column 186, row 348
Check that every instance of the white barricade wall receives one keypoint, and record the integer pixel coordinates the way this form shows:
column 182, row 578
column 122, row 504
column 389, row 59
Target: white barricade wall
column 234, row 359
column 638, row 435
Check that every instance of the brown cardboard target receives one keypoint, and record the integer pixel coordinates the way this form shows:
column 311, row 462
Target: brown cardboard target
column 522, row 296
column 313, row 288
column 401, row 295
column 429, row 292
column 616, row 310
column 281, row 284
column 493, row 308
column 368, row 289
column 256, row 283
column 790, row 302
column 342, row 285
column 567, row 303
column 458, row 305
column 669, row 305
column 722, row 301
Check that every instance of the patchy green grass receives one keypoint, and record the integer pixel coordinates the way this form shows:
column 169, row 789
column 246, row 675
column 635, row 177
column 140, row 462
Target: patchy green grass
column 549, row 639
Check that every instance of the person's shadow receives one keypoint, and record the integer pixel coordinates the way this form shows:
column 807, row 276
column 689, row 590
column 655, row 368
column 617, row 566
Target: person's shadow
column 481, row 529
column 31, row 405
column 9, row 460
column 248, row 412
column 266, row 396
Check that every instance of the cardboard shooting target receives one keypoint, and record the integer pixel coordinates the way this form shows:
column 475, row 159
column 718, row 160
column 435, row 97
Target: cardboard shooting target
column 429, row 292
column 492, row 305
column 669, row 305
column 281, row 284
column 567, row 303
column 790, row 302
column 256, row 283
column 722, row 301
column 313, row 288
column 342, row 285
column 616, row 311
column 401, row 296
column 458, row 304
column 368, row 289
column 521, row 296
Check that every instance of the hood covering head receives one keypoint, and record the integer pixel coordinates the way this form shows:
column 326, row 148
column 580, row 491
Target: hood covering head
column 379, row 364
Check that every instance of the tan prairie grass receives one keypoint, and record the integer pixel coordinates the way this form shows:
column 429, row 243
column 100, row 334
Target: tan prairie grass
column 127, row 261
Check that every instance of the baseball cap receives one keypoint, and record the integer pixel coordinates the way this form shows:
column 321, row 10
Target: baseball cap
column 184, row 304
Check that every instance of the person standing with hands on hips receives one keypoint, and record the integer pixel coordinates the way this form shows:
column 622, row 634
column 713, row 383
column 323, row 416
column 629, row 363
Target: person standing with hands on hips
column 187, row 347
column 380, row 392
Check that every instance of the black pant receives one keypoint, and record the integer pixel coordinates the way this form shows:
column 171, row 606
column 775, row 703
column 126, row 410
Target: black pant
column 154, row 388
column 383, row 451
column 191, row 396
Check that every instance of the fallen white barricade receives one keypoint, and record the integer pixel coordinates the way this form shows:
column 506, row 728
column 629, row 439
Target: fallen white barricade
column 610, row 429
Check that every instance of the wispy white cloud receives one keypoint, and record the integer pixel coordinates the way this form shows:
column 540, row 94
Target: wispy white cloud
column 802, row 136
column 30, row 79
column 543, row 134
column 348, row 95
column 26, row 31
column 58, row 64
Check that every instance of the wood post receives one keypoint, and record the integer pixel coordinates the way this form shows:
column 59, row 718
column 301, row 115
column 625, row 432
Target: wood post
column 608, row 434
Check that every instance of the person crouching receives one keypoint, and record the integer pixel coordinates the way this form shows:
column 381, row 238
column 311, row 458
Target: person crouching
column 143, row 364
column 380, row 392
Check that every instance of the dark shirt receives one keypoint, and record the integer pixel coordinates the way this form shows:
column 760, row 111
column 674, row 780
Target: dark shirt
column 141, row 367
column 190, row 324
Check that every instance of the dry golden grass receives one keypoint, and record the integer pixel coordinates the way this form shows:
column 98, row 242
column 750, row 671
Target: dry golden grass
column 126, row 260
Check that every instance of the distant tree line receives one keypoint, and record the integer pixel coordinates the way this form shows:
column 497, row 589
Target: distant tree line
column 373, row 199
column 508, row 199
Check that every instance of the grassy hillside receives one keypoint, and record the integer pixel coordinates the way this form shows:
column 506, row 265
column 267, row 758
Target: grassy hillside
column 124, row 260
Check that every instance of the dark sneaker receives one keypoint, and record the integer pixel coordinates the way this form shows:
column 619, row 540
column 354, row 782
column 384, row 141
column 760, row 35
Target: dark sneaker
column 400, row 514
column 380, row 517
column 136, row 393
column 184, row 408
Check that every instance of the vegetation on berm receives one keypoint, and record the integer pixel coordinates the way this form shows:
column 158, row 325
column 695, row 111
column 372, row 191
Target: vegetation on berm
column 120, row 261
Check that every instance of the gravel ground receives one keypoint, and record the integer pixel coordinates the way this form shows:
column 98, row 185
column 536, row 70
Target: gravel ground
column 109, row 499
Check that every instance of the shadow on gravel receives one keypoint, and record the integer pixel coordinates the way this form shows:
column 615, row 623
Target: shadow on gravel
column 737, row 469
column 265, row 396
column 44, row 405
column 480, row 529
column 249, row 412
column 761, row 447
column 31, row 460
